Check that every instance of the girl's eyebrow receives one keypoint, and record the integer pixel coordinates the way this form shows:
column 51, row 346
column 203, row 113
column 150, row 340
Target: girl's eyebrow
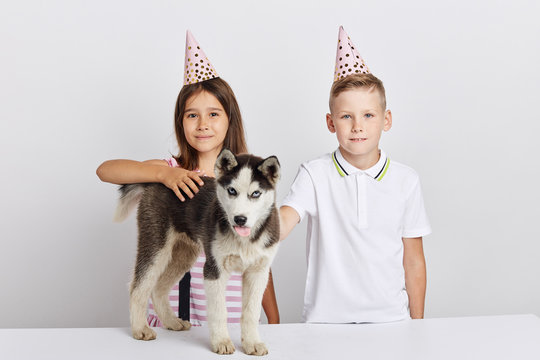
column 208, row 109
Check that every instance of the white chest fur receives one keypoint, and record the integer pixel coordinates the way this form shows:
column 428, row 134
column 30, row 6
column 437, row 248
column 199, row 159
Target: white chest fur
column 234, row 253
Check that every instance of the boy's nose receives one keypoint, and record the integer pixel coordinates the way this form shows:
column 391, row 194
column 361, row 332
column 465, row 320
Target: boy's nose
column 357, row 127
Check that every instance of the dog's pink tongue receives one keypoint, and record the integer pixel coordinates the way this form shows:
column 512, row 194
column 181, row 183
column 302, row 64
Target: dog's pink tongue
column 242, row 230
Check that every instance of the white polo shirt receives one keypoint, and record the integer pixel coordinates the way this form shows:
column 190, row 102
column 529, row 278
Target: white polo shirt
column 356, row 222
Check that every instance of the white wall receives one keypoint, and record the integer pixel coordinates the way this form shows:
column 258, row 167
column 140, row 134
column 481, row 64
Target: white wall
column 82, row 82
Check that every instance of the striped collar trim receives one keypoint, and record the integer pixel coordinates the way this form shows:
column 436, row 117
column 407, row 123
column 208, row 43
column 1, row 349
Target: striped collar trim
column 377, row 171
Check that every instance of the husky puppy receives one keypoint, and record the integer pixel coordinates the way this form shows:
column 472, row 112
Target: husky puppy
column 233, row 218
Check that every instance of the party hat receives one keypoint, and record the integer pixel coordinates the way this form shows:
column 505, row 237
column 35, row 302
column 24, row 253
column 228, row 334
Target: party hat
column 197, row 68
column 348, row 60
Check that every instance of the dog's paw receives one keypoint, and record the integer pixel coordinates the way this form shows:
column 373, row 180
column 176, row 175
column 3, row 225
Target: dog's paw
column 224, row 347
column 177, row 324
column 251, row 348
column 144, row 334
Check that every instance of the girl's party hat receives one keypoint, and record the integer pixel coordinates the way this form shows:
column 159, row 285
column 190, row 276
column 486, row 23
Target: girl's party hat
column 348, row 60
column 197, row 67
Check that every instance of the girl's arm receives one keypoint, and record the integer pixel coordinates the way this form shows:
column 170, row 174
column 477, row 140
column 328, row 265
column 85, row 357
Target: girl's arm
column 131, row 172
column 269, row 302
column 414, row 264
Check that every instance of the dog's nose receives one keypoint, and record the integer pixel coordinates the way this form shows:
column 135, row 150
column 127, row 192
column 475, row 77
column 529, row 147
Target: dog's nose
column 240, row 220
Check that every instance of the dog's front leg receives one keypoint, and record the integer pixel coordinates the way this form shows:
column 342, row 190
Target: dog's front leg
column 254, row 284
column 217, row 314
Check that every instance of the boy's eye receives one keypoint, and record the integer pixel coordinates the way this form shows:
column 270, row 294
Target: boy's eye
column 346, row 117
column 255, row 194
column 369, row 116
column 232, row 191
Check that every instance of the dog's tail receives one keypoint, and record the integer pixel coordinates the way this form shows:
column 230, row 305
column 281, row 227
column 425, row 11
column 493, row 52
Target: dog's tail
column 129, row 198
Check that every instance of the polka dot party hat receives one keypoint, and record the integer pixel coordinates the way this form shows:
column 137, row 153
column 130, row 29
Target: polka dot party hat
column 348, row 60
column 197, row 68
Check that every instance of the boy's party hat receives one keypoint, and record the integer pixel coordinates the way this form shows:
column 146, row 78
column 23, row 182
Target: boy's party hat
column 348, row 60
column 197, row 68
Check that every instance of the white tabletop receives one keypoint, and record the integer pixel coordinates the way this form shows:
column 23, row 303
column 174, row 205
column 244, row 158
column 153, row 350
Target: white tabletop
column 489, row 337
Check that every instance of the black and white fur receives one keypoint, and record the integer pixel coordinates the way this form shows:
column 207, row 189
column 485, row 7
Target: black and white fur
column 241, row 199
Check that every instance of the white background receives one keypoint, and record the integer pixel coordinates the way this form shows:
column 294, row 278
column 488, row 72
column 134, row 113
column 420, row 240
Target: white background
column 86, row 81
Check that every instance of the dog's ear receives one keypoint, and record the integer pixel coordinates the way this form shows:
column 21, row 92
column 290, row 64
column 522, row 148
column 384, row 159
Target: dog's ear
column 225, row 162
column 271, row 169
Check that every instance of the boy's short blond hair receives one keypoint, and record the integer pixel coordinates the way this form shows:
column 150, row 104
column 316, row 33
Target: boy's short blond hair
column 356, row 81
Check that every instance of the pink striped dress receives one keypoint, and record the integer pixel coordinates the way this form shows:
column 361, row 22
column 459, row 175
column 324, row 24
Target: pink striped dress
column 197, row 298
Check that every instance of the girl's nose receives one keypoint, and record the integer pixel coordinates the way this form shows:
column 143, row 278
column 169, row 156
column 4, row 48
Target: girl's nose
column 203, row 124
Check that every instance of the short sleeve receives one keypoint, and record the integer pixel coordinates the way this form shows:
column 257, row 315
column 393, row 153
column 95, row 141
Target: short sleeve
column 301, row 196
column 172, row 162
column 416, row 223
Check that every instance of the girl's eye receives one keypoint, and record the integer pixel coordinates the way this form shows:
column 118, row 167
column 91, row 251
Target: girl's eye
column 191, row 116
column 256, row 194
column 213, row 114
column 232, row 191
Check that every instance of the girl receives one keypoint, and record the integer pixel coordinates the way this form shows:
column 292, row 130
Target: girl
column 207, row 118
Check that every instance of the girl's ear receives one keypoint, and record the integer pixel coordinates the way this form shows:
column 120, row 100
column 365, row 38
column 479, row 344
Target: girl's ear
column 224, row 162
column 271, row 169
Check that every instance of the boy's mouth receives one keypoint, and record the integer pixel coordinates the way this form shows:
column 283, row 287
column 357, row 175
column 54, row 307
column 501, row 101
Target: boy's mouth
column 358, row 139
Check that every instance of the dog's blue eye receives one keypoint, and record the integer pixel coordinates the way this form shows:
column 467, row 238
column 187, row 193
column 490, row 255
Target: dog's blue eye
column 256, row 194
column 232, row 191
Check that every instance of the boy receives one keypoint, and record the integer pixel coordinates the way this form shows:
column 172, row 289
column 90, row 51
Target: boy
column 366, row 215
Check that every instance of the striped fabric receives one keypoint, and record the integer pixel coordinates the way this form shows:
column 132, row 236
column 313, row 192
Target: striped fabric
column 198, row 314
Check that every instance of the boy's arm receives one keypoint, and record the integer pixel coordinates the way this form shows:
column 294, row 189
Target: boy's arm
column 414, row 264
column 131, row 172
column 288, row 218
column 269, row 302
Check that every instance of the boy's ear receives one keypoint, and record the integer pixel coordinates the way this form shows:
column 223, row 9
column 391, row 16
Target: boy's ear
column 224, row 162
column 330, row 123
column 387, row 120
column 271, row 169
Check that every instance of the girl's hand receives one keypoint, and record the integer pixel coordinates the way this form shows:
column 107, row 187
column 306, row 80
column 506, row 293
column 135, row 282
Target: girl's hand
column 178, row 179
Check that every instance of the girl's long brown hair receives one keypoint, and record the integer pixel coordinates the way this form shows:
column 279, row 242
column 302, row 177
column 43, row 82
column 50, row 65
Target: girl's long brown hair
column 234, row 139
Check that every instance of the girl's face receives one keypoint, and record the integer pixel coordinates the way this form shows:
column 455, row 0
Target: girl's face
column 205, row 122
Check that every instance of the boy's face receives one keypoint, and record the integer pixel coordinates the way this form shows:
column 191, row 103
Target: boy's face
column 358, row 119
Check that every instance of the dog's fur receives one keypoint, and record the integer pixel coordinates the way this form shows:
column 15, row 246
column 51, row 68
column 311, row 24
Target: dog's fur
column 172, row 234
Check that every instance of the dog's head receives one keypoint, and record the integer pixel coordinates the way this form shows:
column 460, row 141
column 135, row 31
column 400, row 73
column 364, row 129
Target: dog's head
column 246, row 189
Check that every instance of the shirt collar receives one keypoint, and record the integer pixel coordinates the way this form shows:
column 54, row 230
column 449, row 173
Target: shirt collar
column 377, row 171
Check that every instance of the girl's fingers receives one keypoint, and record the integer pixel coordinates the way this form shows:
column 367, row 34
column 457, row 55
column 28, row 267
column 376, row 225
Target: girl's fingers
column 178, row 193
column 195, row 176
column 192, row 185
column 186, row 190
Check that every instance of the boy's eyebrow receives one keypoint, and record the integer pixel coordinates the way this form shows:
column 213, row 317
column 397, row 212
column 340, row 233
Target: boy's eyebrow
column 350, row 111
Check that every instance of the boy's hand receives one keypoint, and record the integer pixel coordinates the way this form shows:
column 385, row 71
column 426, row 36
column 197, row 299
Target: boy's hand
column 178, row 179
